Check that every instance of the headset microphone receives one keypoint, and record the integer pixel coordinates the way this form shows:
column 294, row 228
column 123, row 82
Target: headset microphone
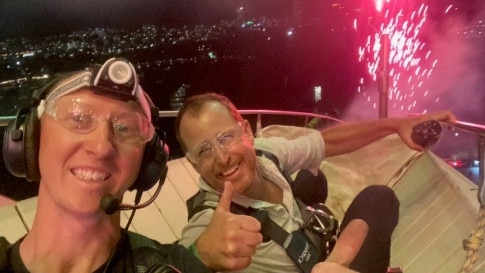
column 110, row 204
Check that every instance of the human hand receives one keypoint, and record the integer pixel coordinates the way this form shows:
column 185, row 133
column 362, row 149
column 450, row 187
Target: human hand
column 345, row 250
column 230, row 240
column 405, row 127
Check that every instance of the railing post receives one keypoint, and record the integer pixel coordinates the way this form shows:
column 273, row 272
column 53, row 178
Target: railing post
column 383, row 75
column 259, row 126
column 481, row 168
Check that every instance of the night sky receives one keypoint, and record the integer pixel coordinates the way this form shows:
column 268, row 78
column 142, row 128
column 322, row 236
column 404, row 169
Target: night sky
column 41, row 17
column 38, row 18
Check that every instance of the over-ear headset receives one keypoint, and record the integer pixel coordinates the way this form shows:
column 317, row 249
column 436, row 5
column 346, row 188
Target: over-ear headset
column 22, row 135
column 154, row 163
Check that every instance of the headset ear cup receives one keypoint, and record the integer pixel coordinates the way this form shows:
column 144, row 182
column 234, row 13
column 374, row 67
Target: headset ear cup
column 13, row 147
column 31, row 146
column 21, row 139
column 20, row 145
column 154, row 165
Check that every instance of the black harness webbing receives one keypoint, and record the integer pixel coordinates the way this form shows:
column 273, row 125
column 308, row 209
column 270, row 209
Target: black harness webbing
column 272, row 157
column 270, row 228
column 297, row 245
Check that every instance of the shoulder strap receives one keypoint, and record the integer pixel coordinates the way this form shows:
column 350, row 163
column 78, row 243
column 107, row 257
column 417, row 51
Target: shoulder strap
column 297, row 245
column 272, row 157
column 306, row 186
column 138, row 240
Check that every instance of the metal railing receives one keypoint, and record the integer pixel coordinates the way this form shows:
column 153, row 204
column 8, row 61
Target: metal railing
column 260, row 113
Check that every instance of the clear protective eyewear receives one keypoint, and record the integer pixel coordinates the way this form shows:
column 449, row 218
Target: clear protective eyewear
column 226, row 140
column 81, row 117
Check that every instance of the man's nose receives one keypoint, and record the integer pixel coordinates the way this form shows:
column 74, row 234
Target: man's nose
column 219, row 152
column 101, row 139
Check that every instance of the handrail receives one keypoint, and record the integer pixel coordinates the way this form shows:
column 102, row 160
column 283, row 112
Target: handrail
column 478, row 129
column 481, row 169
column 287, row 113
column 263, row 112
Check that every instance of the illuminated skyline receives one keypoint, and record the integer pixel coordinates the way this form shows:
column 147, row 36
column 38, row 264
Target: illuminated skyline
column 429, row 56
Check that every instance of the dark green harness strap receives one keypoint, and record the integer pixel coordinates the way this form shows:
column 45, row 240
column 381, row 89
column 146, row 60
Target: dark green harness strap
column 297, row 245
column 270, row 228
column 272, row 157
column 138, row 240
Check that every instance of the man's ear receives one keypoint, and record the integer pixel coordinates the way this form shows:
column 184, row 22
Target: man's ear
column 247, row 130
column 193, row 165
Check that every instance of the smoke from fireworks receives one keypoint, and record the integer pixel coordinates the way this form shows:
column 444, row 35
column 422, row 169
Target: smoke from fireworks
column 434, row 58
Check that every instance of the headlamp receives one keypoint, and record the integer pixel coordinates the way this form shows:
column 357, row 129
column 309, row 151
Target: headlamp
column 120, row 72
column 116, row 78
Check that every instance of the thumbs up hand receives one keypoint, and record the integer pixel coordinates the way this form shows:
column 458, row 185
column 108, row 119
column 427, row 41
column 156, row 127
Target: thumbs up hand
column 230, row 240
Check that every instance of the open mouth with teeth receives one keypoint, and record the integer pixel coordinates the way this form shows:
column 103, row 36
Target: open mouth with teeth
column 90, row 175
column 232, row 169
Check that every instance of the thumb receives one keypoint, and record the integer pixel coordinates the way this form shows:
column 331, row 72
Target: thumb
column 226, row 197
column 349, row 242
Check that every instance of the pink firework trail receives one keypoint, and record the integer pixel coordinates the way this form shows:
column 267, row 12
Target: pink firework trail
column 409, row 63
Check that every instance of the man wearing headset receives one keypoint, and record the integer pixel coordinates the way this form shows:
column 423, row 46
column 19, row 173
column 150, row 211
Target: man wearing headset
column 87, row 137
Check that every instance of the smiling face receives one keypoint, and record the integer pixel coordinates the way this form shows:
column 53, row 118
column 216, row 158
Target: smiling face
column 78, row 169
column 236, row 164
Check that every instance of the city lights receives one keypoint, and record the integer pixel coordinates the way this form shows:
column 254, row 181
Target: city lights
column 317, row 93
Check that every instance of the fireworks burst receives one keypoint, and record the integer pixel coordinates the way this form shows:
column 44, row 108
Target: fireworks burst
column 392, row 32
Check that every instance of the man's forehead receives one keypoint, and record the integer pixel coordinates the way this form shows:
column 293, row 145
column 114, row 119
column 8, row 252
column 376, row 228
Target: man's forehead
column 215, row 112
column 86, row 95
column 208, row 121
column 207, row 111
column 215, row 106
